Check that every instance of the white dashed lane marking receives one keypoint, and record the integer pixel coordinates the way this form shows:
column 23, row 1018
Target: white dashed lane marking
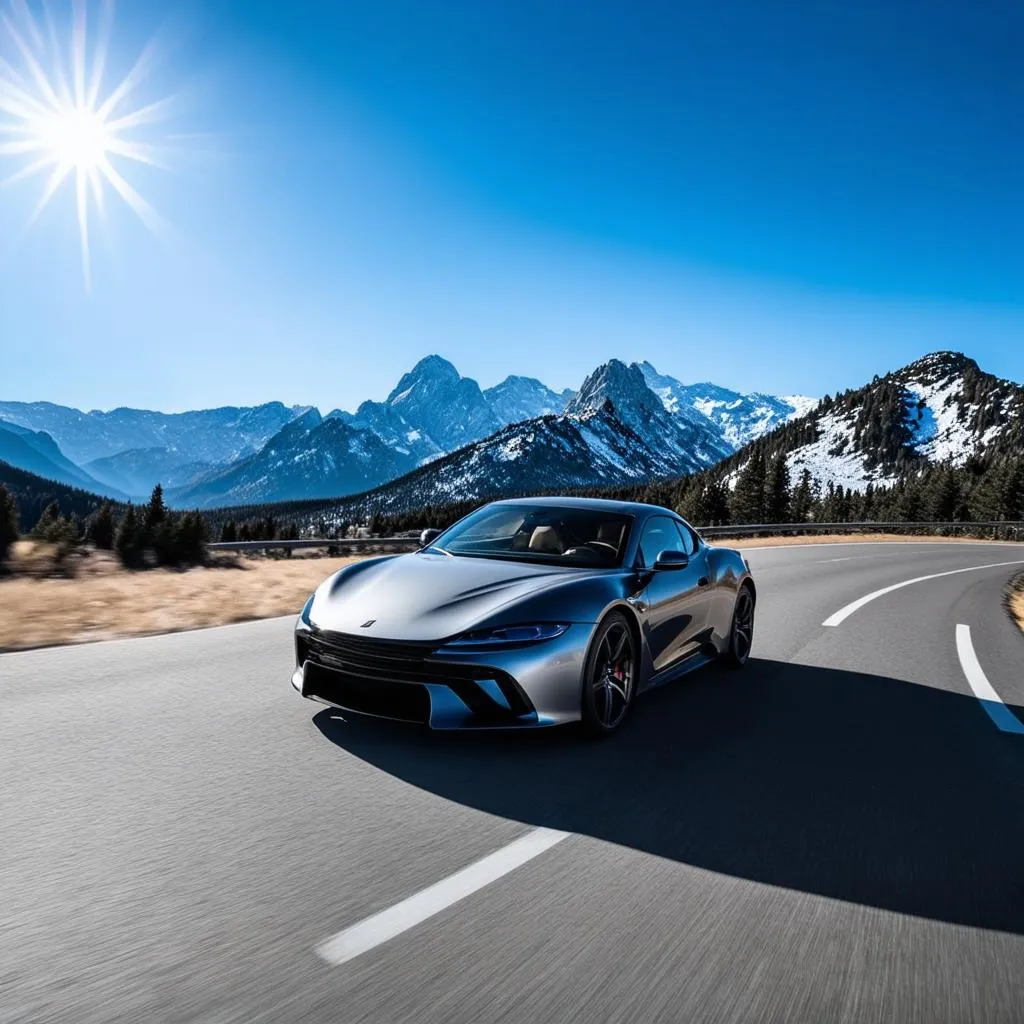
column 372, row 931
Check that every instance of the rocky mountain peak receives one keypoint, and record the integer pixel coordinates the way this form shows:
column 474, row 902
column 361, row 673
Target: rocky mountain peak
column 624, row 386
column 429, row 372
column 938, row 366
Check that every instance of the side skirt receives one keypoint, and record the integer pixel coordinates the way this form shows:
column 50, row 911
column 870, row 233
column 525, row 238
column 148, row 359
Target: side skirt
column 696, row 659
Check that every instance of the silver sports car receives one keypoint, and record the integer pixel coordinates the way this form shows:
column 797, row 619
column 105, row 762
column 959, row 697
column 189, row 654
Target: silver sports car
column 526, row 613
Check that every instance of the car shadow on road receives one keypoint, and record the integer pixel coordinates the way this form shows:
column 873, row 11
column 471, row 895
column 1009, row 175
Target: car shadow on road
column 852, row 786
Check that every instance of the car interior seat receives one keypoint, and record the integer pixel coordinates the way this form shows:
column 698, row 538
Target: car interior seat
column 546, row 539
column 610, row 534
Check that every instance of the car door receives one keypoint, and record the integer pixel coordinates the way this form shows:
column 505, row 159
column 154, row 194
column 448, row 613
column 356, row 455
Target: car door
column 675, row 599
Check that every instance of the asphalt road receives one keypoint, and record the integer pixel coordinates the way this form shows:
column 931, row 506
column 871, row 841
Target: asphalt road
column 834, row 834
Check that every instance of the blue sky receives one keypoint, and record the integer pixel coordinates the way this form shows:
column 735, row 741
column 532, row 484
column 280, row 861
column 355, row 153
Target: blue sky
column 787, row 197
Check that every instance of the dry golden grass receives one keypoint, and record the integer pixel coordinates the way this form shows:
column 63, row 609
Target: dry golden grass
column 1017, row 607
column 41, row 604
column 104, row 601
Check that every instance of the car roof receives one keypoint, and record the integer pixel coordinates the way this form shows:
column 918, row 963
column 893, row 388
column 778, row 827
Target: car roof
column 629, row 508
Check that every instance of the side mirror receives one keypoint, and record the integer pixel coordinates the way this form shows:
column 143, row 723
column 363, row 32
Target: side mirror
column 427, row 537
column 672, row 560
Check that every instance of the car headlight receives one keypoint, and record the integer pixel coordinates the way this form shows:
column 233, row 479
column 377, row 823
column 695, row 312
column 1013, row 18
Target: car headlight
column 502, row 635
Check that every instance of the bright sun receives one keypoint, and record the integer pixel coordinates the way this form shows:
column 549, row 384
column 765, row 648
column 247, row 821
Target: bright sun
column 53, row 113
column 77, row 137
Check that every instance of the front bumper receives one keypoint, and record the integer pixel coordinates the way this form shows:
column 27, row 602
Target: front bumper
column 531, row 686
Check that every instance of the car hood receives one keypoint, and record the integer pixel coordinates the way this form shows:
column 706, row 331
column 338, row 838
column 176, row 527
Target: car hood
column 428, row 596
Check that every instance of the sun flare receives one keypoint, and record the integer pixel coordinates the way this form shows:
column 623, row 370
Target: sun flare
column 76, row 137
column 56, row 116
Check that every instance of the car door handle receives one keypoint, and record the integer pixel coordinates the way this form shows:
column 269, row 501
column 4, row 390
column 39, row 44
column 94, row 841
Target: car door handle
column 703, row 581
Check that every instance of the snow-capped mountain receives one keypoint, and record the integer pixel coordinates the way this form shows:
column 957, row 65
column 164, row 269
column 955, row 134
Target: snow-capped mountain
column 170, row 443
column 392, row 428
column 204, row 435
column 942, row 408
column 449, row 409
column 689, row 443
column 274, row 452
column 311, row 457
column 740, row 418
column 432, row 410
column 525, row 398
column 614, row 431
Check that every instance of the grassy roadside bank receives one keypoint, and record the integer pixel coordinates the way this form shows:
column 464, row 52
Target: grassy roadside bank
column 1015, row 600
column 1017, row 608
column 104, row 601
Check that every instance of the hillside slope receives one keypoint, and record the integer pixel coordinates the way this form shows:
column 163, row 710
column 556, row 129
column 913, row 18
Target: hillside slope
column 36, row 452
column 33, row 493
column 942, row 408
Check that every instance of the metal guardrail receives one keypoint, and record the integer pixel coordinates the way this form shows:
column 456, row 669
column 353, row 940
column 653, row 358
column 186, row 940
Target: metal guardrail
column 747, row 530
column 405, row 543
column 737, row 530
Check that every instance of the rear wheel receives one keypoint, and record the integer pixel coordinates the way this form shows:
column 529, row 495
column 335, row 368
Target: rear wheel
column 741, row 635
column 609, row 679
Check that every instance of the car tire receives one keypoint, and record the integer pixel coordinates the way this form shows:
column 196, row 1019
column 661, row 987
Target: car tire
column 609, row 676
column 741, row 630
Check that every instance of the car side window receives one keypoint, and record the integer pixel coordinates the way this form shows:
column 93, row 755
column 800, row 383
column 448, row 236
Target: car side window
column 660, row 534
column 689, row 538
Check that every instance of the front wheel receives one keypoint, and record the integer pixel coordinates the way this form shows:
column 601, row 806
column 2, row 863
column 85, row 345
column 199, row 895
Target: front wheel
column 609, row 678
column 741, row 635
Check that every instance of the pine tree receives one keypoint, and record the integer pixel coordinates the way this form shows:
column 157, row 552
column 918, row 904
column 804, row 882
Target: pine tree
column 803, row 498
column 1000, row 492
column 8, row 522
column 777, row 497
column 163, row 537
column 47, row 523
column 747, row 504
column 101, row 528
column 229, row 531
column 942, row 498
column 156, row 510
column 716, row 502
column 1013, row 491
column 130, row 542
column 192, row 533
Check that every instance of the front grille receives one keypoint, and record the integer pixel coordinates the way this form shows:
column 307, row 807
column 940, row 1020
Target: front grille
column 396, row 667
column 371, row 659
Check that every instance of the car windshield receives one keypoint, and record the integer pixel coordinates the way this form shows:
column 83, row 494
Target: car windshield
column 549, row 534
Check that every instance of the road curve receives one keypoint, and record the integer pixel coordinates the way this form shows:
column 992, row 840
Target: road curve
column 834, row 834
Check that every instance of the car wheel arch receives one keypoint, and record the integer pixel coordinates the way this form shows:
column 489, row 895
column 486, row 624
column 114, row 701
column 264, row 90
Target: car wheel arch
column 629, row 613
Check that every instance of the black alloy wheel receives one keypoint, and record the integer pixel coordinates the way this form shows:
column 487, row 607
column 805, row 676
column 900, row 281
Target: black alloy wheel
column 610, row 678
column 741, row 636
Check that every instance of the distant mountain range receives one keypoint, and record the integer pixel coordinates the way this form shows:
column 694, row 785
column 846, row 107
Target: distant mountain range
column 438, row 439
column 128, row 450
column 940, row 409
column 627, row 423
